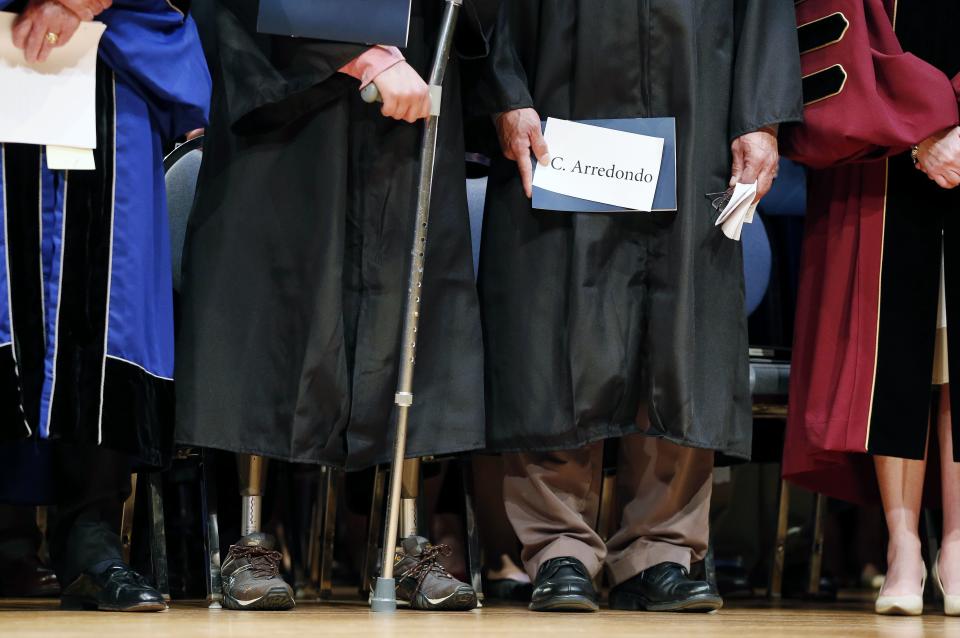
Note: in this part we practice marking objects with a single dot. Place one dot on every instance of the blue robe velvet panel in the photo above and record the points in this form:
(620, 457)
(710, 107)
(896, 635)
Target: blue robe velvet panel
(86, 302)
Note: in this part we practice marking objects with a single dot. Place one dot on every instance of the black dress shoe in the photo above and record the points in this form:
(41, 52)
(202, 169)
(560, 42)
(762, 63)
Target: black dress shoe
(665, 587)
(507, 589)
(563, 584)
(118, 588)
(28, 578)
(733, 580)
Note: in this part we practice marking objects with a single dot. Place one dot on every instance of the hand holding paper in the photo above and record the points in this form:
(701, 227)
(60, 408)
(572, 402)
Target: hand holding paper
(43, 26)
(739, 210)
(755, 161)
(55, 100)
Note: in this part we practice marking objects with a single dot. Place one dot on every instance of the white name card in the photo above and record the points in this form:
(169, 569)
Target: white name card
(601, 165)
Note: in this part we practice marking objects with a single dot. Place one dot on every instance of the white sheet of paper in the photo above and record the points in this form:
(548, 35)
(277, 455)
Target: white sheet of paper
(69, 158)
(601, 165)
(53, 102)
(738, 211)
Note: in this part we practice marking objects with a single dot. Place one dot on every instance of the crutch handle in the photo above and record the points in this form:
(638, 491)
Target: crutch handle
(371, 94)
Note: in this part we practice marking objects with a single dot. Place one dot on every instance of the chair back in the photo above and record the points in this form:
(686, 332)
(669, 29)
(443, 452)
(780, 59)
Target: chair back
(181, 168)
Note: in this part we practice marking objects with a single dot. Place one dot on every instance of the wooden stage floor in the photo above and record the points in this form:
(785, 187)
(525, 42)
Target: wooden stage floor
(332, 620)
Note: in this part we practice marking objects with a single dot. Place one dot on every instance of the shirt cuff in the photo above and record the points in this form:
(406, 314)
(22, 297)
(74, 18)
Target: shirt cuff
(371, 63)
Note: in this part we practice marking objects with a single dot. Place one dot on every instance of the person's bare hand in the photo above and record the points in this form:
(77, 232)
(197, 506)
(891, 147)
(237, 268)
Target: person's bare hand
(939, 157)
(40, 18)
(86, 10)
(195, 133)
(756, 158)
(519, 132)
(404, 93)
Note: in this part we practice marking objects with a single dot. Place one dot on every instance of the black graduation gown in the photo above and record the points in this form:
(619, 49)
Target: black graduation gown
(588, 317)
(296, 256)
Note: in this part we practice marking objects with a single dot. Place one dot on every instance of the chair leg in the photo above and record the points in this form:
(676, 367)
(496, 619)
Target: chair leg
(474, 560)
(775, 590)
(374, 528)
(43, 516)
(710, 566)
(126, 520)
(315, 535)
(211, 536)
(608, 496)
(158, 535)
(332, 480)
(816, 550)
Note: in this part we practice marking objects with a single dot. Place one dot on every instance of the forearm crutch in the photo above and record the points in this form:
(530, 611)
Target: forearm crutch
(385, 593)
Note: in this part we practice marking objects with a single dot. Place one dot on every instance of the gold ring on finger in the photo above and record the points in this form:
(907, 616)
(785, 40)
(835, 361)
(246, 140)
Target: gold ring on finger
(52, 38)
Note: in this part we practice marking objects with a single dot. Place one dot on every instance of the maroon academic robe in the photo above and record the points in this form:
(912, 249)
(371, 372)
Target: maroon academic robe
(866, 102)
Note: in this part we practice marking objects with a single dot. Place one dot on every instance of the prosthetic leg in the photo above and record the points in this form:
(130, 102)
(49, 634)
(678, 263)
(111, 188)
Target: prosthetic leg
(253, 474)
(250, 573)
(409, 492)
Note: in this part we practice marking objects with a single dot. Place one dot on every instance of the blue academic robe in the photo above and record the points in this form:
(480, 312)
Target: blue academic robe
(86, 302)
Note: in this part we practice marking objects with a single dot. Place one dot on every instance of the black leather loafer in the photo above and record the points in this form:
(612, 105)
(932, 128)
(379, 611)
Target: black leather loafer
(118, 588)
(563, 584)
(665, 587)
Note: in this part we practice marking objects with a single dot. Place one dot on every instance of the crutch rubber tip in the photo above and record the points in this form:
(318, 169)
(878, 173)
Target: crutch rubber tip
(384, 596)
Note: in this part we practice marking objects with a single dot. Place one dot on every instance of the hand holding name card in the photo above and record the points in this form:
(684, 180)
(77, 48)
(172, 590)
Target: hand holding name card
(519, 132)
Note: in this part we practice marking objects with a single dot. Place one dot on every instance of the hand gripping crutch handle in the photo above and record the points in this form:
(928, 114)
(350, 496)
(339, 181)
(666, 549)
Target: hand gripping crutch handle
(370, 94)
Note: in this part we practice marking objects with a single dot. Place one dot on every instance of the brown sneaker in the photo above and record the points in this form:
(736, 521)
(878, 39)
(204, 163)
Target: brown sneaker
(422, 583)
(251, 576)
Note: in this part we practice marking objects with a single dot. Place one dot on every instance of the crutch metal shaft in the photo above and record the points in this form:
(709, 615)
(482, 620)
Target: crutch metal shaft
(385, 597)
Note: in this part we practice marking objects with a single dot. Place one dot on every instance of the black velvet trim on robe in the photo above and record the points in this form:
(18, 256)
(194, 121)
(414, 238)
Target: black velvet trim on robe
(920, 229)
(25, 278)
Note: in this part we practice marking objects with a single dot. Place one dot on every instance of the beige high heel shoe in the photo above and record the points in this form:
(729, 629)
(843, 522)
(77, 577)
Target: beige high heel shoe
(951, 602)
(911, 605)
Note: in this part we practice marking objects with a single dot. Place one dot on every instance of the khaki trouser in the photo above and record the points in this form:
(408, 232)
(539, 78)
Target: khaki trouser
(552, 500)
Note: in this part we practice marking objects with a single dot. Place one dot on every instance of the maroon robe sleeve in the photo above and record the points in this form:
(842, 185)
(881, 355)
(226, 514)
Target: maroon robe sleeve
(865, 98)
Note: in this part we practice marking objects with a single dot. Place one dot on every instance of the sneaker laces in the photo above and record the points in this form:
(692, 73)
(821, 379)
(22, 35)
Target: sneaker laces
(264, 563)
(428, 563)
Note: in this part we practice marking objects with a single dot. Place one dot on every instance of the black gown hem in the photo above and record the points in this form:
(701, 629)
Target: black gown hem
(736, 452)
(349, 466)
(583, 438)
